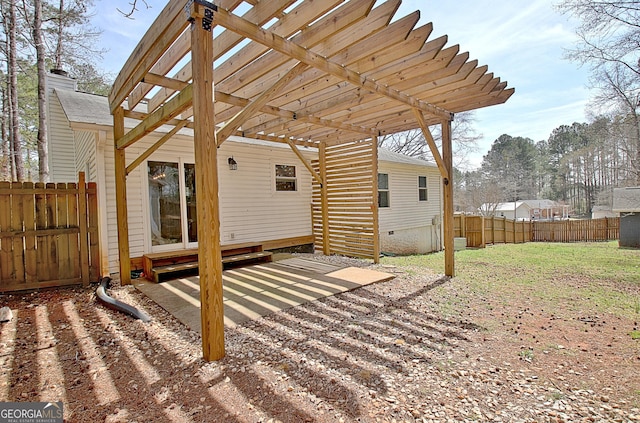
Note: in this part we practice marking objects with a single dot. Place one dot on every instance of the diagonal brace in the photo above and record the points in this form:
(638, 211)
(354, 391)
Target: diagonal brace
(304, 161)
(432, 143)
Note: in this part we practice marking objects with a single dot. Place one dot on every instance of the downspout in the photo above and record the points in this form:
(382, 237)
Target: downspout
(117, 305)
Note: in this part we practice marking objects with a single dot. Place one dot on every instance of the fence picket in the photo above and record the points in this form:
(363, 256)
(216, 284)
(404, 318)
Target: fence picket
(30, 255)
(6, 244)
(52, 223)
(72, 222)
(17, 212)
(42, 253)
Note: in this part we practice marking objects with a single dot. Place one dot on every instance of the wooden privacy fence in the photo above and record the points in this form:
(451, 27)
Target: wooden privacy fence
(479, 230)
(605, 229)
(48, 235)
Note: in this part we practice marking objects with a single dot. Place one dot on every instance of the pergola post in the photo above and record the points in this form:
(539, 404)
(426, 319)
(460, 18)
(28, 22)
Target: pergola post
(447, 158)
(205, 149)
(324, 198)
(121, 198)
(374, 205)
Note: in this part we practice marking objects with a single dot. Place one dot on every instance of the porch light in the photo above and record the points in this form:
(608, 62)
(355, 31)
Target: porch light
(233, 165)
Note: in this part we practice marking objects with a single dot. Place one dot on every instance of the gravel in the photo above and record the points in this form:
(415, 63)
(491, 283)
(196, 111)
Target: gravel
(382, 353)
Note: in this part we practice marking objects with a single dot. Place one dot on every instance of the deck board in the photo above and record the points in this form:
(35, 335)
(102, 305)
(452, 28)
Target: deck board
(255, 291)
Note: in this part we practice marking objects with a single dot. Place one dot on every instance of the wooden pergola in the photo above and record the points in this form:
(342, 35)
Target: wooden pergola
(333, 74)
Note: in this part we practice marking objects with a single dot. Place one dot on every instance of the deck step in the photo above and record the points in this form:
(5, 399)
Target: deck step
(247, 257)
(158, 271)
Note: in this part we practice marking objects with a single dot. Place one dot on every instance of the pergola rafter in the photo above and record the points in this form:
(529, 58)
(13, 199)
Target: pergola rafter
(334, 75)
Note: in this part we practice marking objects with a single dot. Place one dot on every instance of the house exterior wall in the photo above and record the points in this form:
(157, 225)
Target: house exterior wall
(85, 142)
(521, 213)
(250, 208)
(629, 230)
(410, 226)
(61, 146)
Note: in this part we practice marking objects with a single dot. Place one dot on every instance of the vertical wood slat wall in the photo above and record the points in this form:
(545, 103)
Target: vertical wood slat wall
(351, 201)
(48, 235)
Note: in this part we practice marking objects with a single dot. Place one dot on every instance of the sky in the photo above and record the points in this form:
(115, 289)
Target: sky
(523, 43)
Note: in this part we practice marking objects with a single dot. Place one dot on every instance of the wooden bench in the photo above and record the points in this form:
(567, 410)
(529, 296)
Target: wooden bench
(156, 265)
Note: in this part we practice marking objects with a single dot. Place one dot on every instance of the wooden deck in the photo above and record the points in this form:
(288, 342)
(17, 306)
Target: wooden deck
(255, 291)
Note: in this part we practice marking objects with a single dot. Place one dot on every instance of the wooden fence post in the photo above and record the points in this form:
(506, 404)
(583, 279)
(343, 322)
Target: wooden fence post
(83, 214)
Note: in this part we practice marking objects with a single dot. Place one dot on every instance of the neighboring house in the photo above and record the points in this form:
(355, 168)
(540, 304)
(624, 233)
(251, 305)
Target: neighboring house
(266, 198)
(527, 210)
(626, 201)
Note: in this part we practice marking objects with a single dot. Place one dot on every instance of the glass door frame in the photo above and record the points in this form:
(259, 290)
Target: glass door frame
(184, 224)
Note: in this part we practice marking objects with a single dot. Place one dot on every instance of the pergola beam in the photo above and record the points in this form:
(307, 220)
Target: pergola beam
(163, 81)
(163, 32)
(243, 27)
(288, 116)
(159, 117)
(297, 19)
(179, 49)
(257, 103)
(166, 137)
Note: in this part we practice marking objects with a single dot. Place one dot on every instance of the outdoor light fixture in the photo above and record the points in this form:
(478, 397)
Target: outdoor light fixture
(233, 165)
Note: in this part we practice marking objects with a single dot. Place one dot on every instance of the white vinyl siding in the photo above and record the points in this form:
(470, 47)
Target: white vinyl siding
(406, 211)
(86, 155)
(251, 209)
(411, 226)
(61, 145)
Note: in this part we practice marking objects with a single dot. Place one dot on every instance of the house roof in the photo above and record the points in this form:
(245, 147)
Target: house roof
(391, 156)
(543, 204)
(86, 108)
(531, 204)
(335, 71)
(511, 205)
(626, 200)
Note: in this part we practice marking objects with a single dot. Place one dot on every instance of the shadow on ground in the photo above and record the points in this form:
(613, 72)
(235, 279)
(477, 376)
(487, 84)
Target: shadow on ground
(307, 363)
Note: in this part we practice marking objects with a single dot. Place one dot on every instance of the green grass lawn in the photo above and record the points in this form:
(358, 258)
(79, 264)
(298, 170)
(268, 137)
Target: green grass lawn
(594, 276)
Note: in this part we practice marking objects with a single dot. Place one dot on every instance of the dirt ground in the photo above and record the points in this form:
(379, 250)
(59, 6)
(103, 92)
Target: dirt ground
(412, 349)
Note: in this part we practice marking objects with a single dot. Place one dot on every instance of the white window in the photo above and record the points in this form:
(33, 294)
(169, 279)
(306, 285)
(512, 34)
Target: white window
(422, 188)
(383, 190)
(286, 179)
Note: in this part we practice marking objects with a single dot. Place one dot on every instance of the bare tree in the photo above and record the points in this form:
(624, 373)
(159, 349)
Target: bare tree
(609, 42)
(5, 165)
(134, 8)
(74, 39)
(412, 143)
(38, 40)
(10, 27)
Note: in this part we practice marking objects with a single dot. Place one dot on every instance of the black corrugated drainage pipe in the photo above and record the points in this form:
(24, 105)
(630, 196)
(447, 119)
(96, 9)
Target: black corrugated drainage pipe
(114, 304)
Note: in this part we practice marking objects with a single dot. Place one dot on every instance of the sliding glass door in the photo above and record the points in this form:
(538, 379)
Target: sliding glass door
(172, 205)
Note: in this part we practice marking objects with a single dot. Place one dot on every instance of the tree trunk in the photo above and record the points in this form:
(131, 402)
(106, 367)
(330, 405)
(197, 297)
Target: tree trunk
(636, 133)
(5, 165)
(43, 159)
(58, 55)
(13, 96)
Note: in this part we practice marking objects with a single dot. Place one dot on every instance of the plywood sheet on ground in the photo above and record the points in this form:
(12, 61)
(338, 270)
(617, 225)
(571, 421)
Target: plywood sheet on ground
(255, 291)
